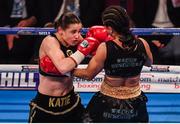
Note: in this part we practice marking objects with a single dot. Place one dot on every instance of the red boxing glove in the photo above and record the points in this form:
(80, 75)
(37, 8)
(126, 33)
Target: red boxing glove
(48, 67)
(100, 33)
(86, 47)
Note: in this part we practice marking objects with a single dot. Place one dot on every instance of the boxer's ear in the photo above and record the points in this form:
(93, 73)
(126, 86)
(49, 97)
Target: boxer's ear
(60, 30)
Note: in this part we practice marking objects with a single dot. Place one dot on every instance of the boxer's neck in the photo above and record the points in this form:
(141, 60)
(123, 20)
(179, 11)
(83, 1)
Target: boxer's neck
(61, 40)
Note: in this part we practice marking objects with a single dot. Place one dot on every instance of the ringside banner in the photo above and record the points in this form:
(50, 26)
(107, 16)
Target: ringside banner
(163, 79)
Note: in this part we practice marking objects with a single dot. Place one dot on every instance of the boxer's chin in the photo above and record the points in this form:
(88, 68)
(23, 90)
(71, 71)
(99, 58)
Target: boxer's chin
(75, 43)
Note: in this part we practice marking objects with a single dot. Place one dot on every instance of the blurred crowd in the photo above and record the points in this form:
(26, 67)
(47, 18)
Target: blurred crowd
(21, 49)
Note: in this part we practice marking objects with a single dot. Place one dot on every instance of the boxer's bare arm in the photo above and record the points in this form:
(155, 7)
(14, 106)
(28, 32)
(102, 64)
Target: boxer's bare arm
(149, 60)
(52, 49)
(95, 65)
(66, 64)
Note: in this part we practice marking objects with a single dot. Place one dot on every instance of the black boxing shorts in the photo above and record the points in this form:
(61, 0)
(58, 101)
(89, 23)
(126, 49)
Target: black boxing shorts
(51, 109)
(106, 109)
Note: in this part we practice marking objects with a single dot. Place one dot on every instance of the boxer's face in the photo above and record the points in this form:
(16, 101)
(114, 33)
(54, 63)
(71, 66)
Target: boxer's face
(109, 30)
(72, 34)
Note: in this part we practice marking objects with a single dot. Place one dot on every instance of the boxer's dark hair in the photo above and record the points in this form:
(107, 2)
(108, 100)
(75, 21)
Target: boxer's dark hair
(66, 19)
(117, 18)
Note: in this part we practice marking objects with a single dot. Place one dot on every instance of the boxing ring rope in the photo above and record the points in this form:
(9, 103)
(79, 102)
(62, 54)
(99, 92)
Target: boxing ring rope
(158, 78)
(47, 31)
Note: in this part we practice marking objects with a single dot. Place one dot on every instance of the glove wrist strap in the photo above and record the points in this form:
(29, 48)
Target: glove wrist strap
(77, 57)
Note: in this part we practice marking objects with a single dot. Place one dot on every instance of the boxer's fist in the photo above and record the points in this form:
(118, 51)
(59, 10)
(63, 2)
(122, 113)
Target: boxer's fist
(86, 47)
(100, 33)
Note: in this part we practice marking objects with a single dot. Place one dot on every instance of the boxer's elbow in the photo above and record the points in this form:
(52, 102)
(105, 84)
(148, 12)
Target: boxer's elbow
(148, 62)
(63, 69)
(89, 76)
(83, 73)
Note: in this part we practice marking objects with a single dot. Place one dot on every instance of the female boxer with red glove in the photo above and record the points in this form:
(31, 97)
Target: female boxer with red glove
(59, 54)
